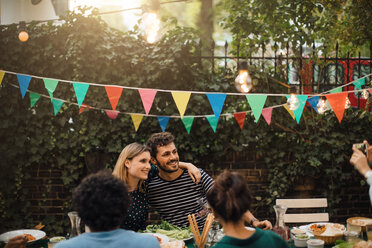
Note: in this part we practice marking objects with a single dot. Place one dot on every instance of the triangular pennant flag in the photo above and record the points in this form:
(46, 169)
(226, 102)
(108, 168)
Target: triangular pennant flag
(181, 99)
(337, 102)
(82, 108)
(80, 91)
(337, 90)
(33, 98)
(314, 102)
(147, 96)
(114, 94)
(217, 101)
(112, 114)
(187, 122)
(256, 102)
(2, 73)
(213, 121)
(359, 83)
(240, 118)
(370, 91)
(289, 111)
(57, 104)
(136, 120)
(50, 85)
(298, 111)
(163, 122)
(24, 82)
(267, 113)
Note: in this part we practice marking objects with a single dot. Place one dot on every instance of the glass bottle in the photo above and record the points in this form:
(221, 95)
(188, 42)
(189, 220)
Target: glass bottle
(75, 224)
(280, 228)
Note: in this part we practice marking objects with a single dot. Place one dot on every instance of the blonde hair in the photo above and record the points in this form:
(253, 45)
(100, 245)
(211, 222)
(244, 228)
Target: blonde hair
(129, 152)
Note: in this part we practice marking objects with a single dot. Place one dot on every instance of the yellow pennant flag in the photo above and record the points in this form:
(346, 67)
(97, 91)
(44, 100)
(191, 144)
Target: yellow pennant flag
(136, 120)
(181, 99)
(2, 73)
(289, 111)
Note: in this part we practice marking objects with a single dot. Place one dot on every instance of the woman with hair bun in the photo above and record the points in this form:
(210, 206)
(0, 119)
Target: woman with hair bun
(230, 199)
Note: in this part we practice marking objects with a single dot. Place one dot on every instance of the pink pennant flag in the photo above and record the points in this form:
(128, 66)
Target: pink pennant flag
(337, 102)
(147, 96)
(112, 114)
(113, 94)
(266, 113)
(370, 91)
(240, 117)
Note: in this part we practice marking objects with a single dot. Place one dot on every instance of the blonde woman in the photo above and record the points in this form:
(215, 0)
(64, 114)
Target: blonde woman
(134, 168)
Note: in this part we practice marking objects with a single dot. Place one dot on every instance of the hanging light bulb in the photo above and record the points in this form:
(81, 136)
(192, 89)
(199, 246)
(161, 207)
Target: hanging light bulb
(293, 102)
(23, 35)
(321, 106)
(365, 94)
(347, 103)
(243, 82)
(151, 22)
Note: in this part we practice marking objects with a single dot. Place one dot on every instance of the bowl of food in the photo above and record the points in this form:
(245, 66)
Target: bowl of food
(315, 243)
(300, 240)
(358, 224)
(329, 232)
(296, 231)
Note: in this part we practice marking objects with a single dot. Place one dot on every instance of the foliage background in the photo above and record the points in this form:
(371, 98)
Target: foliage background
(85, 49)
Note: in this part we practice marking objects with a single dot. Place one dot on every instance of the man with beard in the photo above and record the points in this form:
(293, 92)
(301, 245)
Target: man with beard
(173, 193)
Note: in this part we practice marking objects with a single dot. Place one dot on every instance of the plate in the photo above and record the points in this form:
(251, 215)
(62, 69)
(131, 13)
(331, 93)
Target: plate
(309, 232)
(8, 235)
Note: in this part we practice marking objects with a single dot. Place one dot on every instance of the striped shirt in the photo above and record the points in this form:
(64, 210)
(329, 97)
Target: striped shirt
(175, 200)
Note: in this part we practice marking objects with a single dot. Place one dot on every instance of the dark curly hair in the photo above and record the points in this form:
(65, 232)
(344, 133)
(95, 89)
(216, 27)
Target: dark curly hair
(159, 139)
(101, 201)
(229, 197)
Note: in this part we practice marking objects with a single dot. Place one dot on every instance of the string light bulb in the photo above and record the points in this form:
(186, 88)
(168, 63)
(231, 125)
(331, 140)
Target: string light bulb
(23, 35)
(151, 22)
(293, 103)
(365, 94)
(347, 103)
(322, 106)
(243, 81)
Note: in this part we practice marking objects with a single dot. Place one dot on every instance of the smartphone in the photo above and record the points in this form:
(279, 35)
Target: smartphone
(362, 147)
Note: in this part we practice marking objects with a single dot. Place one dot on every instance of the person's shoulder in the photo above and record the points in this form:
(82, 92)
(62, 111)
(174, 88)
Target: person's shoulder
(145, 240)
(66, 244)
(277, 240)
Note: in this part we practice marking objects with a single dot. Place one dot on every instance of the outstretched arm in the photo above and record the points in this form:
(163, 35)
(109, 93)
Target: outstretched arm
(265, 224)
(193, 171)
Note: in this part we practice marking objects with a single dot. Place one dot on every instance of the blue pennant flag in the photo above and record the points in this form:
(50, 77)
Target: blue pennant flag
(24, 82)
(163, 122)
(313, 102)
(216, 101)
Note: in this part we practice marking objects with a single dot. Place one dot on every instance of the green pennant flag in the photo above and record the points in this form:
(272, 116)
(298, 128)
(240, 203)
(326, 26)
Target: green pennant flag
(33, 98)
(57, 104)
(257, 103)
(80, 91)
(2, 73)
(298, 112)
(187, 122)
(50, 85)
(359, 83)
(213, 121)
(337, 90)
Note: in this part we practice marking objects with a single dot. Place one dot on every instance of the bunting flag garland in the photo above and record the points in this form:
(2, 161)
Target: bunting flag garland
(163, 122)
(314, 102)
(181, 99)
(337, 102)
(57, 104)
(213, 121)
(337, 90)
(187, 122)
(114, 94)
(267, 113)
(33, 98)
(359, 83)
(289, 111)
(240, 118)
(80, 91)
(256, 102)
(298, 111)
(136, 118)
(50, 85)
(216, 101)
(112, 114)
(147, 97)
(24, 82)
(2, 73)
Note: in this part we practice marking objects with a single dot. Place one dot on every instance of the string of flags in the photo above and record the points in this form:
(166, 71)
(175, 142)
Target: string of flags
(336, 100)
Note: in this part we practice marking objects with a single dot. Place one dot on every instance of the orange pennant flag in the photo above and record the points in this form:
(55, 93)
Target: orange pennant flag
(83, 107)
(113, 94)
(337, 102)
(240, 117)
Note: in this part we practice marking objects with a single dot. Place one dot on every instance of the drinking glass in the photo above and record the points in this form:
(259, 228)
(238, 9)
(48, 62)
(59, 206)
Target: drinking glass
(369, 232)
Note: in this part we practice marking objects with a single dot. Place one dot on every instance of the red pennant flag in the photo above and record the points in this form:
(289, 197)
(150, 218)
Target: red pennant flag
(112, 114)
(113, 94)
(267, 113)
(83, 107)
(240, 118)
(147, 97)
(337, 102)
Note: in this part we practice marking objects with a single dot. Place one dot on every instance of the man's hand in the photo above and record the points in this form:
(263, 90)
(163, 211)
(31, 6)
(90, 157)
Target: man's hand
(265, 224)
(193, 171)
(369, 151)
(359, 160)
(17, 242)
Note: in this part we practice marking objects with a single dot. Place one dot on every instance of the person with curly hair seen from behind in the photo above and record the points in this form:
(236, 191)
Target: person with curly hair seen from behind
(230, 199)
(102, 202)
